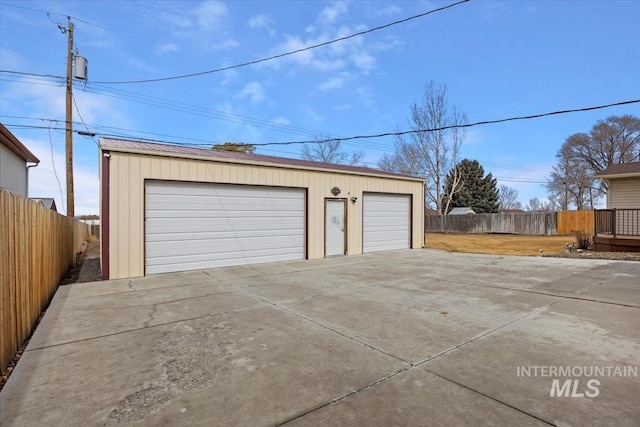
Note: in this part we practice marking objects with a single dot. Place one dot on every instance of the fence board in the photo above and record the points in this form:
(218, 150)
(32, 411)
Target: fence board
(572, 221)
(37, 248)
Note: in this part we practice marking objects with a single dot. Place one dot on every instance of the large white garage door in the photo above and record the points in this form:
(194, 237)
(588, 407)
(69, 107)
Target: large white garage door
(192, 226)
(386, 222)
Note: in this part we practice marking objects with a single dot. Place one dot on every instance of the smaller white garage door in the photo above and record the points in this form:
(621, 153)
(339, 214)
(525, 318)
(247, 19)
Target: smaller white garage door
(190, 226)
(386, 222)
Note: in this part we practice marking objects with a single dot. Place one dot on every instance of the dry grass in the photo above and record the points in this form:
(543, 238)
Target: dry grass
(501, 244)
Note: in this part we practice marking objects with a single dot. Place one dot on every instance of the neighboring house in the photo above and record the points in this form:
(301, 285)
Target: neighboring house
(14, 156)
(618, 228)
(48, 202)
(170, 208)
(462, 211)
(623, 191)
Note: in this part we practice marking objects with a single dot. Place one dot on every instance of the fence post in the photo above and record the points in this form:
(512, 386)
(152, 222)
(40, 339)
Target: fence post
(613, 223)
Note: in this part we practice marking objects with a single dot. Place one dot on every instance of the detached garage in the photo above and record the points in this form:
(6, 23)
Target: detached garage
(169, 208)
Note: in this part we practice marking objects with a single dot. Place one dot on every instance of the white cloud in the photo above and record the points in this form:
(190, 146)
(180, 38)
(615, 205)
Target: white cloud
(11, 60)
(260, 21)
(332, 84)
(280, 120)
(342, 107)
(364, 61)
(166, 48)
(224, 44)
(312, 116)
(331, 14)
(252, 91)
(211, 15)
(366, 95)
(389, 11)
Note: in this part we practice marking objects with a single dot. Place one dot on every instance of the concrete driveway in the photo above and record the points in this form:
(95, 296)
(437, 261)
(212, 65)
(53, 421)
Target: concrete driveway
(418, 337)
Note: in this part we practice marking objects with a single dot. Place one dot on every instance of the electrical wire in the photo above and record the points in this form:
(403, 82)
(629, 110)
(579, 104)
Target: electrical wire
(22, 73)
(397, 133)
(75, 104)
(282, 55)
(55, 172)
(73, 18)
(466, 125)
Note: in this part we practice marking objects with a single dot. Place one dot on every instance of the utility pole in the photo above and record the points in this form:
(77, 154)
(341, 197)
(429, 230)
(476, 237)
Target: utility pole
(69, 118)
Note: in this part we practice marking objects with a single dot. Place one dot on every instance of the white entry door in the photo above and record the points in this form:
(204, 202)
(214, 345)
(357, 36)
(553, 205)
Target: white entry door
(334, 228)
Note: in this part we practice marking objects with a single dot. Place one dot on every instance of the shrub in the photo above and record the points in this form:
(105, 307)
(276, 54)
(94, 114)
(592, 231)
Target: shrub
(583, 239)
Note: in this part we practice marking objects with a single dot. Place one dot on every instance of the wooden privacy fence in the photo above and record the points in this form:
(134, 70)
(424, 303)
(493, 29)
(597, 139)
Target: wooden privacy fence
(38, 246)
(571, 221)
(530, 223)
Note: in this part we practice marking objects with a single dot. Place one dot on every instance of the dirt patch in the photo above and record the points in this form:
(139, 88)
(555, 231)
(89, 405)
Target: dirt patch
(510, 244)
(87, 266)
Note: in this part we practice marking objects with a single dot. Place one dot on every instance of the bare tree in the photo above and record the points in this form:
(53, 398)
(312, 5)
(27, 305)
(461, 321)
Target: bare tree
(434, 149)
(537, 205)
(329, 151)
(508, 198)
(611, 141)
(582, 155)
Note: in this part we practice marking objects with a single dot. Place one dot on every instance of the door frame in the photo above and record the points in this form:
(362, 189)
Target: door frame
(344, 205)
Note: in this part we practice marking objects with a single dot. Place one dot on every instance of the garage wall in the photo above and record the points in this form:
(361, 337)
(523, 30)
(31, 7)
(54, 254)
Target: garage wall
(128, 172)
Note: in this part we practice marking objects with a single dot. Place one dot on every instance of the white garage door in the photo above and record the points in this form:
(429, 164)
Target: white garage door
(386, 222)
(192, 226)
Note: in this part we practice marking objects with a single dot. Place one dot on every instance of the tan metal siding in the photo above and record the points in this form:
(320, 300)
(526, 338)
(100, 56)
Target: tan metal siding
(624, 193)
(128, 172)
(13, 172)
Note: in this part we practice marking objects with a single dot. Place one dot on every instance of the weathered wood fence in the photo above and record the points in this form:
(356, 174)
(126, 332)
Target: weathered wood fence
(38, 246)
(528, 223)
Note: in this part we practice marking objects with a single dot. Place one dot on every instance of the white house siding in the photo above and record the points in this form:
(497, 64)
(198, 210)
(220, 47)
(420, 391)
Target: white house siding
(624, 193)
(13, 172)
(128, 172)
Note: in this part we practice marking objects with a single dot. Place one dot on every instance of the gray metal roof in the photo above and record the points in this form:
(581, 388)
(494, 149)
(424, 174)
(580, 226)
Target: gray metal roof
(158, 148)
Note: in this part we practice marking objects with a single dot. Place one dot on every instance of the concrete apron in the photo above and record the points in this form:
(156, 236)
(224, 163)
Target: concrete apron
(418, 337)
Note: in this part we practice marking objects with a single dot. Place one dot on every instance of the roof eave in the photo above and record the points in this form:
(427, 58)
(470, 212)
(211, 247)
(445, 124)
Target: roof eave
(13, 144)
(106, 147)
(618, 175)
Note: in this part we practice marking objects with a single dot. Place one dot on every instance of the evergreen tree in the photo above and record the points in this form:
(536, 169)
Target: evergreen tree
(478, 192)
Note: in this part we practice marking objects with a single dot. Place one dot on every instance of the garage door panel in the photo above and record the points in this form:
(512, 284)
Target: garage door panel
(196, 225)
(187, 246)
(223, 234)
(247, 223)
(386, 222)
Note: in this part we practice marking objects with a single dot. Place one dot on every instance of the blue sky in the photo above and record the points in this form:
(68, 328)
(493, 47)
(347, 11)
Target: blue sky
(498, 59)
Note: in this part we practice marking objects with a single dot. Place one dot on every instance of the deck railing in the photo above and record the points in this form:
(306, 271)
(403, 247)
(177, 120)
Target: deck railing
(617, 222)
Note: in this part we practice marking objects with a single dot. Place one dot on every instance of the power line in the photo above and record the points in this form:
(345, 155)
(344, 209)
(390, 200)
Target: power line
(72, 17)
(282, 55)
(22, 73)
(467, 125)
(350, 138)
(75, 104)
(55, 172)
